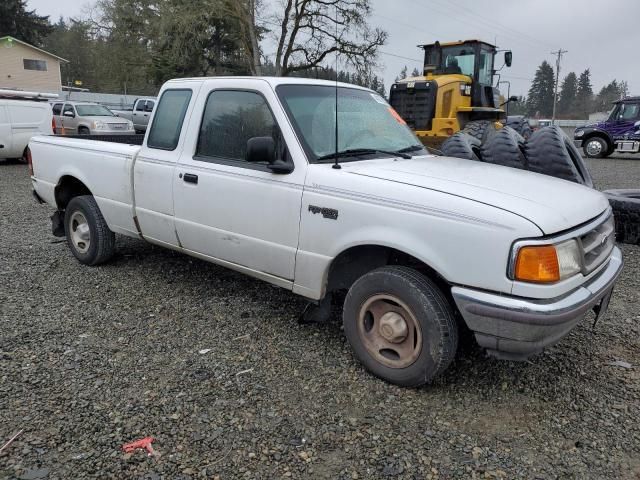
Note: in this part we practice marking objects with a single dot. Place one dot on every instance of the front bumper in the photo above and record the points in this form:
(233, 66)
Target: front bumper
(517, 328)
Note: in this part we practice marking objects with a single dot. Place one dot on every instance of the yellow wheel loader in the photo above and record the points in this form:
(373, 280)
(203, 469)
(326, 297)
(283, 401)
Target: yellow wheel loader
(456, 92)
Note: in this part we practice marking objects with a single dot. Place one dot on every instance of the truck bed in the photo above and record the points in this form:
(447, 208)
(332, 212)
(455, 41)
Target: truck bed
(136, 139)
(104, 162)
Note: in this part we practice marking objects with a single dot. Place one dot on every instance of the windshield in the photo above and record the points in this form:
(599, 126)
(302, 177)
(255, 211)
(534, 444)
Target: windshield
(93, 111)
(365, 120)
(460, 59)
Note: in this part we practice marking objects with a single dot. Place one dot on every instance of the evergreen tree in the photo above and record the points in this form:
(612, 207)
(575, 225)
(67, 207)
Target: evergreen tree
(403, 74)
(568, 91)
(415, 72)
(540, 98)
(17, 21)
(609, 94)
(584, 95)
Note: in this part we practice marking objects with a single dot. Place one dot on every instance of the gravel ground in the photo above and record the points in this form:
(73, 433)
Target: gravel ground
(92, 358)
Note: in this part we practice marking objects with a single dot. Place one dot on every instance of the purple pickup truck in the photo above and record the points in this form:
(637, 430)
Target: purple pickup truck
(620, 133)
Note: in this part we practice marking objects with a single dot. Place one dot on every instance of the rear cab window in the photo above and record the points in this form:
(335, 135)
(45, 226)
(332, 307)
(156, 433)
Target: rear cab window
(165, 130)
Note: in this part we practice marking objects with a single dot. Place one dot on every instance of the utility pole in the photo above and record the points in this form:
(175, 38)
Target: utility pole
(559, 54)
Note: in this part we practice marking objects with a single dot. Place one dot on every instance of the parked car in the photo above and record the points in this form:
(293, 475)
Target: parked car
(83, 118)
(619, 133)
(22, 117)
(247, 173)
(139, 113)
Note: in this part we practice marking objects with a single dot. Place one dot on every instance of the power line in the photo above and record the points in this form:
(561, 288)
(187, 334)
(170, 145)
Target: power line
(559, 53)
(399, 56)
(507, 28)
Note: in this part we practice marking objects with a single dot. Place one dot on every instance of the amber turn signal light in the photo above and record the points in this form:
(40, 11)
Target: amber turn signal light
(537, 264)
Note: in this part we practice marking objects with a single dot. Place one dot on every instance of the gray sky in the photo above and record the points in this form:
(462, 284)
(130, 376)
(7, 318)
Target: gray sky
(603, 39)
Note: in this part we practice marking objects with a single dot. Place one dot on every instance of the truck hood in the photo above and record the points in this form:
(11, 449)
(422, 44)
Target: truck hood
(550, 203)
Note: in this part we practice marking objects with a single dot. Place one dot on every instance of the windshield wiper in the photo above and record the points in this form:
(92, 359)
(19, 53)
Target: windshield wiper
(356, 152)
(411, 148)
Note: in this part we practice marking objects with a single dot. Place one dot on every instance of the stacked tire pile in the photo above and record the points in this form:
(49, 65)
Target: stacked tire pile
(547, 151)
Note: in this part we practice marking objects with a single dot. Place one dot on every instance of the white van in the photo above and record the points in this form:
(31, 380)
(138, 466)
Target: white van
(21, 117)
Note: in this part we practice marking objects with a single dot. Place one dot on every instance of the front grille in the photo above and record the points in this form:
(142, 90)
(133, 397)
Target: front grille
(118, 126)
(597, 245)
(415, 102)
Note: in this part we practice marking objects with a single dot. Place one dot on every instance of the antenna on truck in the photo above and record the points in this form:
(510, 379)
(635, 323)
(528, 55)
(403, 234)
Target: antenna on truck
(336, 165)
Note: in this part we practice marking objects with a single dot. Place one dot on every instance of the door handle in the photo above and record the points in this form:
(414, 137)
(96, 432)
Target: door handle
(190, 178)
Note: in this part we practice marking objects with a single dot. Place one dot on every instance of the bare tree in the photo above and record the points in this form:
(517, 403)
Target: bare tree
(310, 30)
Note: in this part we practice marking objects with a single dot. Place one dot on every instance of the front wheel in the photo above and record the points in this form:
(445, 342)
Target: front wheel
(596, 147)
(88, 235)
(400, 326)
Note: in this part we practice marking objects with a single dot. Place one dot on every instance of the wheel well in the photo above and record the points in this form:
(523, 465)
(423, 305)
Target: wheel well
(589, 136)
(354, 262)
(67, 188)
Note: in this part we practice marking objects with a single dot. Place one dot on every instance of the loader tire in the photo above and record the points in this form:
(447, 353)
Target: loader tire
(549, 151)
(626, 212)
(505, 148)
(520, 125)
(462, 145)
(482, 130)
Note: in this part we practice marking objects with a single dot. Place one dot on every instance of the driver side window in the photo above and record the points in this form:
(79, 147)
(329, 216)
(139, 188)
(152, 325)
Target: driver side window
(230, 119)
(631, 111)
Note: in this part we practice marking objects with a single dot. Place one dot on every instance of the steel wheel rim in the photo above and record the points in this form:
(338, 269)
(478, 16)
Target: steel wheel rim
(389, 331)
(594, 147)
(80, 232)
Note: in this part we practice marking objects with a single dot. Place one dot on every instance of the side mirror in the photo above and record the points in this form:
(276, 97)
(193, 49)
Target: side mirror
(69, 114)
(513, 98)
(263, 149)
(508, 58)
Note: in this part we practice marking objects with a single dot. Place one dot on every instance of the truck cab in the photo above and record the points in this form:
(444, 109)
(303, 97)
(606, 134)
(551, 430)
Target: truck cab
(620, 132)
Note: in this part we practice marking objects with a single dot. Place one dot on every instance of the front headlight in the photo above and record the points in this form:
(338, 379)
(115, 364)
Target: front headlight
(130, 125)
(98, 125)
(578, 133)
(547, 263)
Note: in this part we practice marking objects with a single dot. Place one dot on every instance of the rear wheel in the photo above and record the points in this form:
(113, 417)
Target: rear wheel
(400, 326)
(88, 235)
(596, 147)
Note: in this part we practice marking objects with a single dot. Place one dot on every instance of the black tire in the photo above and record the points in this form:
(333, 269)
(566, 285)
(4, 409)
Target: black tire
(430, 310)
(482, 130)
(505, 148)
(626, 212)
(101, 241)
(83, 131)
(461, 145)
(549, 151)
(600, 149)
(521, 125)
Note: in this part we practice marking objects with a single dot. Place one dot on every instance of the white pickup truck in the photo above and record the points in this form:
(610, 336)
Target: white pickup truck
(246, 173)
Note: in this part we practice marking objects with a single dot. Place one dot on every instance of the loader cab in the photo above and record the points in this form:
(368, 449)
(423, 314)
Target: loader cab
(472, 58)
